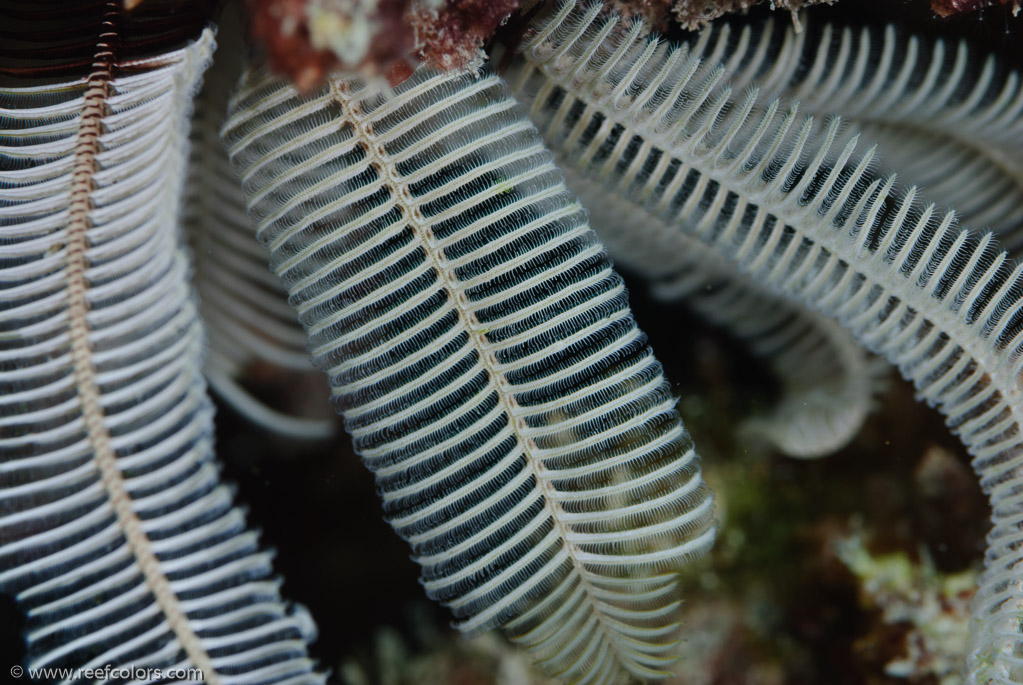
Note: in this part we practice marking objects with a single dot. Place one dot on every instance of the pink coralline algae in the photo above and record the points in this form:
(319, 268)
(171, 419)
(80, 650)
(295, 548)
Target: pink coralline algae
(306, 40)
(452, 36)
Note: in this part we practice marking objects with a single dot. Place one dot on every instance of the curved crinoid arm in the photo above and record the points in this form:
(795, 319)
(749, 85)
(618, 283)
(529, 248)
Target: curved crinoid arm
(825, 403)
(944, 304)
(251, 329)
(829, 381)
(985, 193)
(878, 74)
(947, 116)
(484, 357)
(116, 537)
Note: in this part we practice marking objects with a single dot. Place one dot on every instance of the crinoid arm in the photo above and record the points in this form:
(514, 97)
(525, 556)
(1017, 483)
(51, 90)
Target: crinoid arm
(483, 354)
(772, 192)
(116, 536)
(947, 116)
(251, 329)
(829, 383)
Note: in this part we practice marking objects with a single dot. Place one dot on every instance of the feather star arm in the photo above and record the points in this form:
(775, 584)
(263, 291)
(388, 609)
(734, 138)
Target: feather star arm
(483, 355)
(250, 326)
(118, 539)
(829, 382)
(947, 117)
(941, 303)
